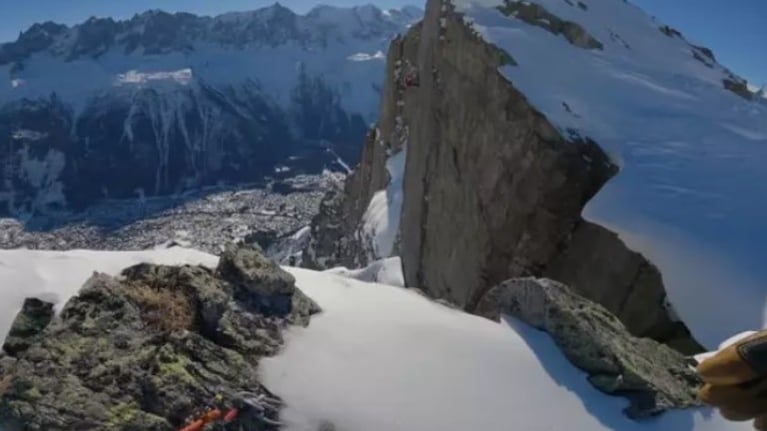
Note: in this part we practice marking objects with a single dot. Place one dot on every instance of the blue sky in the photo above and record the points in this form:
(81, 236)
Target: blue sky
(735, 29)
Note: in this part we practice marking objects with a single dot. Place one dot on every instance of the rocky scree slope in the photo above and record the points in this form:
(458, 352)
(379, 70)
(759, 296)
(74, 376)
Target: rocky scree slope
(166, 102)
(146, 350)
(492, 189)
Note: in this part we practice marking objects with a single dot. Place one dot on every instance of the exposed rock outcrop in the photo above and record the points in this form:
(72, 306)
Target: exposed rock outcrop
(144, 351)
(492, 189)
(739, 87)
(537, 15)
(337, 237)
(651, 375)
(598, 265)
(34, 317)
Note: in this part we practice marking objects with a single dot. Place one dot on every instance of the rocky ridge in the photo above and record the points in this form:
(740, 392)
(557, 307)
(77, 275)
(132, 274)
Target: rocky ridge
(654, 377)
(492, 189)
(147, 350)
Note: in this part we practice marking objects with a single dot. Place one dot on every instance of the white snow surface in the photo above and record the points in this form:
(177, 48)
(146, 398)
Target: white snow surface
(183, 77)
(385, 271)
(692, 191)
(384, 358)
(380, 223)
(381, 358)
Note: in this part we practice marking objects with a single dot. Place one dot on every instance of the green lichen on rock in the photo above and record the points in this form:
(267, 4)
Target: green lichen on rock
(112, 361)
(123, 414)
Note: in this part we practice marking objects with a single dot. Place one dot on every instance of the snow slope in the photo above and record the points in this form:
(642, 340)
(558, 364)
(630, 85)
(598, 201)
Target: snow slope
(380, 223)
(385, 358)
(385, 271)
(692, 191)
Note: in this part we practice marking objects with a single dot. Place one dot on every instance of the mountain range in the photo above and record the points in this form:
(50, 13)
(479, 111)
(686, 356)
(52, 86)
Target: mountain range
(163, 103)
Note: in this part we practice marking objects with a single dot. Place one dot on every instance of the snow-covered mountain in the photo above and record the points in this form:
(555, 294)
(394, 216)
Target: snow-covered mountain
(689, 136)
(583, 141)
(163, 102)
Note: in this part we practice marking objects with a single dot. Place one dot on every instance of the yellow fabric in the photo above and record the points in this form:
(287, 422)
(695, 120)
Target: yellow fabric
(733, 386)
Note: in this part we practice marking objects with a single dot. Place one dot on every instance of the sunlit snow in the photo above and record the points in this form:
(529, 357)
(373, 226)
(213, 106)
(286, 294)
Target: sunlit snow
(385, 271)
(382, 358)
(183, 77)
(380, 223)
(361, 56)
(691, 194)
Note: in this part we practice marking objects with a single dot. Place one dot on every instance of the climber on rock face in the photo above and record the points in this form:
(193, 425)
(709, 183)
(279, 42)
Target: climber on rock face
(736, 380)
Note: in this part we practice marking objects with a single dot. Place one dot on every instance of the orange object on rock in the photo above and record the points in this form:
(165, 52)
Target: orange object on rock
(208, 417)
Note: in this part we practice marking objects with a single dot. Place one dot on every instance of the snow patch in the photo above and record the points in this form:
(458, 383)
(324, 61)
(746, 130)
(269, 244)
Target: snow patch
(361, 56)
(28, 135)
(134, 77)
(290, 251)
(385, 271)
(380, 223)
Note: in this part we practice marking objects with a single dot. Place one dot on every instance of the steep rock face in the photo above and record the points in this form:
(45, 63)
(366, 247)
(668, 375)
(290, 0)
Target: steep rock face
(338, 234)
(493, 190)
(147, 350)
(654, 377)
(491, 187)
(163, 103)
(599, 266)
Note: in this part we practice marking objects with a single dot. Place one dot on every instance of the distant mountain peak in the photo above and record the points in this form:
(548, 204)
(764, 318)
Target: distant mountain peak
(158, 31)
